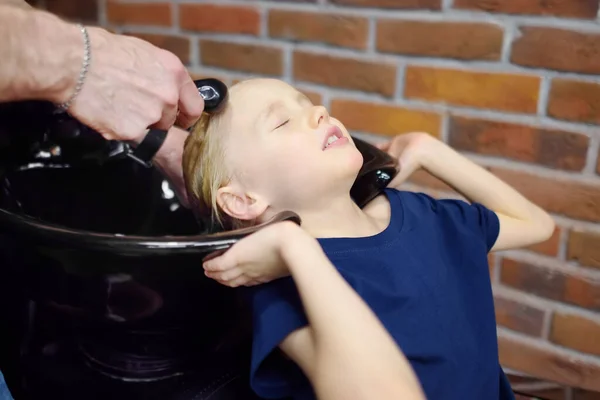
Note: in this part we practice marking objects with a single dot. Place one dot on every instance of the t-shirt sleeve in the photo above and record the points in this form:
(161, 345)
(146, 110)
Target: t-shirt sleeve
(277, 311)
(473, 219)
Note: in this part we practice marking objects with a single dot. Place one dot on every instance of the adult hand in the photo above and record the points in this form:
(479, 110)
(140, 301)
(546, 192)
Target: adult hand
(168, 161)
(130, 86)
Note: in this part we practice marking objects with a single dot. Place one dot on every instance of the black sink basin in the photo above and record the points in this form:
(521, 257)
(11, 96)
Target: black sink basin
(101, 266)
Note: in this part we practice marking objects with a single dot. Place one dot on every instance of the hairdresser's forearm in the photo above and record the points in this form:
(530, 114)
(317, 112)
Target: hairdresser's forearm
(16, 3)
(41, 54)
(354, 357)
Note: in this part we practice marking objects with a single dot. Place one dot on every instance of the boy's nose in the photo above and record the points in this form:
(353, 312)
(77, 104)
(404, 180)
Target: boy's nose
(317, 116)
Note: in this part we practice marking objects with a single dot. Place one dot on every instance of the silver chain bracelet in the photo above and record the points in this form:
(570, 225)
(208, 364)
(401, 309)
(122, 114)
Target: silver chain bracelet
(84, 68)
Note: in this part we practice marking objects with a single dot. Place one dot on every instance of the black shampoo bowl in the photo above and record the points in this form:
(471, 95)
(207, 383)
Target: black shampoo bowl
(102, 290)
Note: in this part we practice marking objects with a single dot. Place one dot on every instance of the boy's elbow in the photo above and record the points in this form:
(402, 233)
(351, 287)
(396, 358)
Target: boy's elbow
(544, 226)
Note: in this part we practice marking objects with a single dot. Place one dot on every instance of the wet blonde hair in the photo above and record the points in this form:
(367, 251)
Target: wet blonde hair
(205, 170)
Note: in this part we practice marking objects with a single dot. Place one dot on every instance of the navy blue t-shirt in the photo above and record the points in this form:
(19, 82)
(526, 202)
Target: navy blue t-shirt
(426, 278)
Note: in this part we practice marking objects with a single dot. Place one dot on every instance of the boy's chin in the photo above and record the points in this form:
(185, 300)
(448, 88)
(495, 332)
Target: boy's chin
(355, 161)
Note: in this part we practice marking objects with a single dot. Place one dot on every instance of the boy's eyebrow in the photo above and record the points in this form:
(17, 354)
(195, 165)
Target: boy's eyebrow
(272, 107)
(264, 114)
(275, 105)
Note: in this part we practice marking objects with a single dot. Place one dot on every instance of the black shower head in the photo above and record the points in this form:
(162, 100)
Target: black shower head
(214, 93)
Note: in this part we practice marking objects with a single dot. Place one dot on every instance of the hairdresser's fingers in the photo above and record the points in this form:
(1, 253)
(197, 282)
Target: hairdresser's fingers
(191, 104)
(167, 120)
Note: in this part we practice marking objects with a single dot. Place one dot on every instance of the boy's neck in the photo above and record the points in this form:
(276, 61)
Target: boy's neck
(340, 218)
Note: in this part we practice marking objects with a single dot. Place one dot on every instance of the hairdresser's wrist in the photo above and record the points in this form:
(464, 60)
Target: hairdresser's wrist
(53, 58)
(168, 161)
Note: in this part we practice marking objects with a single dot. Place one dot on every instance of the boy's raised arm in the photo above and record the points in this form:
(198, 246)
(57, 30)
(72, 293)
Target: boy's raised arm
(345, 351)
(522, 223)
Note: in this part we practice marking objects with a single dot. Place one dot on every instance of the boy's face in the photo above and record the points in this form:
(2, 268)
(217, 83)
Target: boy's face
(286, 149)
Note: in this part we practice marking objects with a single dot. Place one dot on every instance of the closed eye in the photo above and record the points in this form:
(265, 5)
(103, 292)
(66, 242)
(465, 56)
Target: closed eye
(280, 125)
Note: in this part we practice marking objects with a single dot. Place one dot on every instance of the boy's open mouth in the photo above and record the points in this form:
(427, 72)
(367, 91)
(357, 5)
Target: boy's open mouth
(334, 137)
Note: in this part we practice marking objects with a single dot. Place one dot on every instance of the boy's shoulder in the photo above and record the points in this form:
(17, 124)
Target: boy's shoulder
(413, 209)
(395, 200)
(380, 207)
(401, 209)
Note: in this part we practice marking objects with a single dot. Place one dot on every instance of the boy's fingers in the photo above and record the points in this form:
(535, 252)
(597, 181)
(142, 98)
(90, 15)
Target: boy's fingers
(213, 266)
(230, 275)
(223, 262)
(239, 281)
(383, 146)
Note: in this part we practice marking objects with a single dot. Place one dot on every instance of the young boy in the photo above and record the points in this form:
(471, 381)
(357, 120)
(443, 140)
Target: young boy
(419, 263)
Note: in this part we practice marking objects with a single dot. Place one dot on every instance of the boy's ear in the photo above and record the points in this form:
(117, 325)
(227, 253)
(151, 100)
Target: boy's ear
(240, 205)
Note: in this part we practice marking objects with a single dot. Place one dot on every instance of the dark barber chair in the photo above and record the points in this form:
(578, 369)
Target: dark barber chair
(102, 293)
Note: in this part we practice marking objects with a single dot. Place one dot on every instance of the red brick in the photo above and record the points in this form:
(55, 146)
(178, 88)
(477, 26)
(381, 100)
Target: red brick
(219, 18)
(548, 364)
(346, 73)
(158, 14)
(549, 147)
(81, 10)
(580, 394)
(557, 49)
(180, 46)
(460, 40)
(242, 57)
(519, 317)
(552, 284)
(384, 119)
(584, 247)
(491, 265)
(500, 91)
(559, 8)
(550, 246)
(576, 332)
(399, 4)
(333, 29)
(575, 101)
(314, 97)
(566, 197)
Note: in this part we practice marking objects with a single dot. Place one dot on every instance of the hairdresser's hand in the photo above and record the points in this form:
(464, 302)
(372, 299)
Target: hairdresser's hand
(168, 161)
(132, 85)
(409, 149)
(255, 259)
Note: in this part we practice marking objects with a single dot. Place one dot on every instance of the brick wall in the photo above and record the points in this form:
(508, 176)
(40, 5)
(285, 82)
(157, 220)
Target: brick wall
(514, 84)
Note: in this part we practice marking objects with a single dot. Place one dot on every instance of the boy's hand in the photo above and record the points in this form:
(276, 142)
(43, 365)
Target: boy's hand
(409, 149)
(255, 259)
